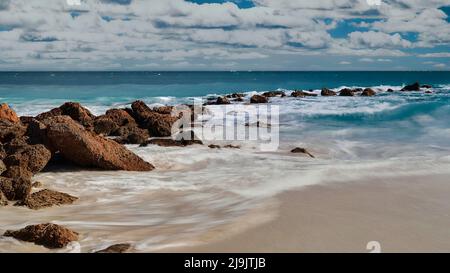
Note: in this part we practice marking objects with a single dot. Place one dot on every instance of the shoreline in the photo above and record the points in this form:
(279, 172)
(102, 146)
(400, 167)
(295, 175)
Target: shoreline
(403, 214)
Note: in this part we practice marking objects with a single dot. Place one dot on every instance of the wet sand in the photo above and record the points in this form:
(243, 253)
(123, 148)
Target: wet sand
(410, 214)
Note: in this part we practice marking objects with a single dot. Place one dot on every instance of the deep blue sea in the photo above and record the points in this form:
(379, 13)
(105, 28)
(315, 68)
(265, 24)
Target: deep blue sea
(195, 189)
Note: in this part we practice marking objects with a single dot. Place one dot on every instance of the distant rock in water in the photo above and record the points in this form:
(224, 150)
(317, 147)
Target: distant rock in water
(368, 92)
(168, 142)
(412, 87)
(48, 235)
(119, 248)
(346, 92)
(301, 94)
(222, 100)
(258, 99)
(427, 86)
(274, 94)
(8, 114)
(327, 92)
(302, 151)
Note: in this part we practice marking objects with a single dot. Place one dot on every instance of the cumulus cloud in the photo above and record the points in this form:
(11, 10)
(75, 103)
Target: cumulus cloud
(136, 34)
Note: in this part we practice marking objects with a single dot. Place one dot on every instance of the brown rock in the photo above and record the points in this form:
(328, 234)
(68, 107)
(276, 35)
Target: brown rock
(52, 113)
(3, 200)
(412, 87)
(368, 92)
(346, 92)
(222, 100)
(2, 152)
(235, 95)
(104, 125)
(15, 188)
(48, 235)
(159, 125)
(32, 158)
(258, 99)
(131, 135)
(168, 142)
(301, 151)
(10, 131)
(26, 119)
(47, 198)
(78, 113)
(301, 94)
(120, 117)
(165, 110)
(327, 92)
(214, 146)
(2, 167)
(274, 94)
(229, 146)
(87, 149)
(8, 114)
(119, 248)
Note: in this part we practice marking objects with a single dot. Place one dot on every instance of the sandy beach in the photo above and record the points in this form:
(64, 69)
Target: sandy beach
(410, 214)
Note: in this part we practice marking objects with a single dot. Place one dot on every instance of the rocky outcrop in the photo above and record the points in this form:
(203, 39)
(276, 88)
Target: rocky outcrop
(368, 92)
(11, 131)
(105, 126)
(258, 99)
(158, 125)
(47, 198)
(412, 87)
(302, 151)
(119, 248)
(346, 92)
(17, 188)
(73, 110)
(88, 149)
(7, 114)
(48, 235)
(327, 92)
(32, 158)
(120, 117)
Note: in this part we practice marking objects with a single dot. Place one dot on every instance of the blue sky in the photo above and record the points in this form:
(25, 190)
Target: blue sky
(224, 35)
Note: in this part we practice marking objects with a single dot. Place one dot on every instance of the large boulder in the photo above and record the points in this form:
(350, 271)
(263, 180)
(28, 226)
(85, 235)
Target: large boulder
(105, 125)
(258, 99)
(158, 125)
(47, 198)
(120, 117)
(90, 150)
(131, 134)
(8, 114)
(32, 158)
(412, 87)
(48, 235)
(327, 92)
(72, 109)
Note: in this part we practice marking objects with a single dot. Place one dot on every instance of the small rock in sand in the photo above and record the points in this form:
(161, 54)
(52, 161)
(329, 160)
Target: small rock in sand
(48, 235)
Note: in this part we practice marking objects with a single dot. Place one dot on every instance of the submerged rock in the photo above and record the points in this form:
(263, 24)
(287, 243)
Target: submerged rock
(274, 94)
(8, 114)
(258, 99)
(412, 87)
(368, 92)
(87, 149)
(168, 142)
(119, 248)
(48, 235)
(327, 92)
(47, 198)
(301, 94)
(302, 151)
